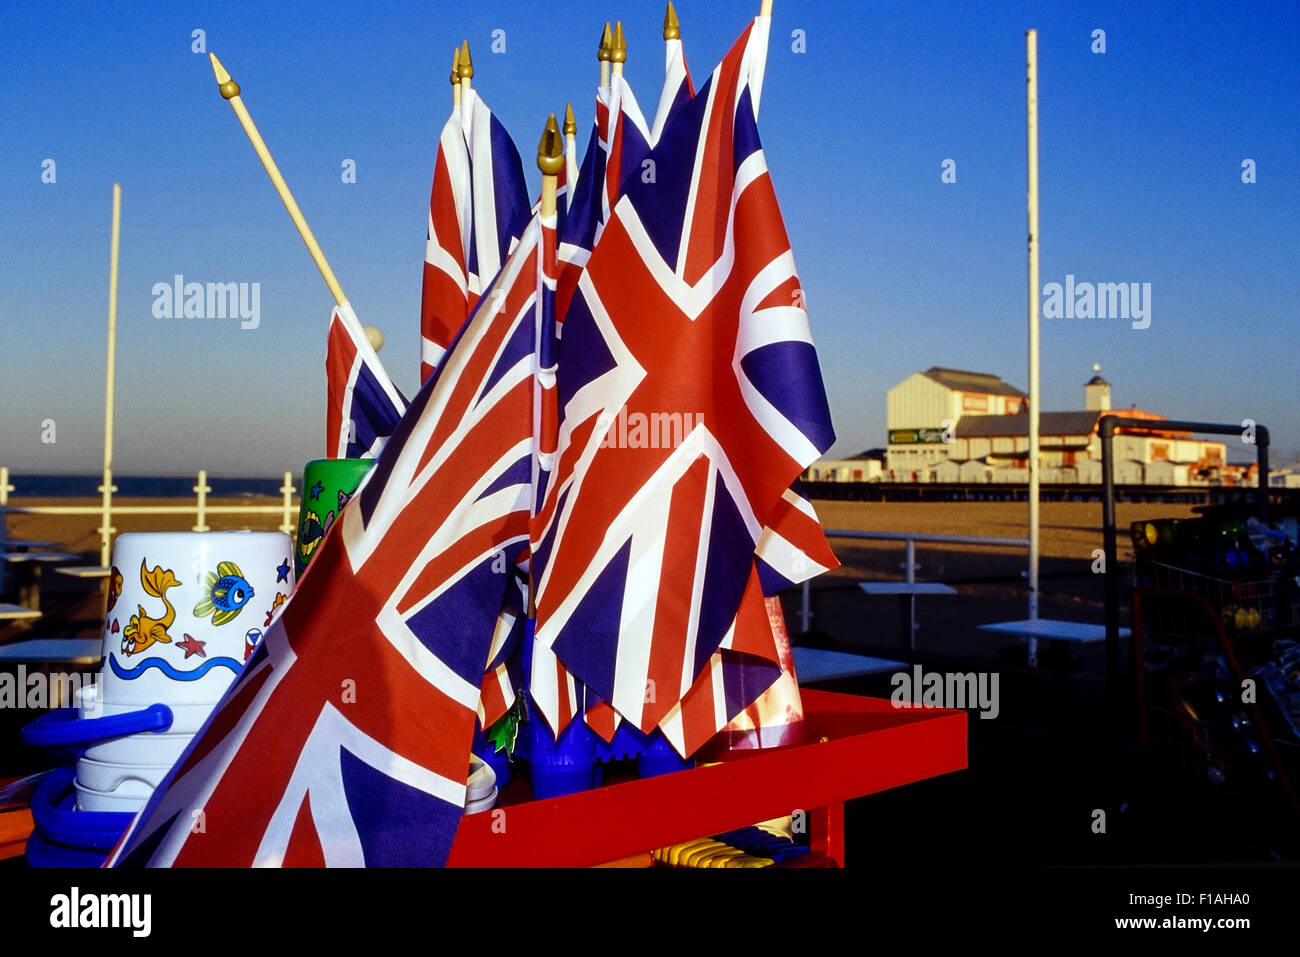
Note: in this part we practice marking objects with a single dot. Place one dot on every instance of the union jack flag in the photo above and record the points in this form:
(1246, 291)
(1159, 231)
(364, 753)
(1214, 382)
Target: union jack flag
(478, 208)
(444, 302)
(346, 739)
(363, 406)
(553, 689)
(498, 194)
(689, 306)
(620, 142)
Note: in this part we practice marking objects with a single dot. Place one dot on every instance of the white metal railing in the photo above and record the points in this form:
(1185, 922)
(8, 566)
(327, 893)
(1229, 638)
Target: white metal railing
(911, 538)
(200, 509)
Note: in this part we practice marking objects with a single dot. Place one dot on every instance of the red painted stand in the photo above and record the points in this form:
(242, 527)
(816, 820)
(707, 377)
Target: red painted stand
(855, 746)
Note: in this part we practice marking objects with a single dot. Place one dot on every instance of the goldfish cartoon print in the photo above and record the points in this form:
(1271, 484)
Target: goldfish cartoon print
(142, 631)
(225, 594)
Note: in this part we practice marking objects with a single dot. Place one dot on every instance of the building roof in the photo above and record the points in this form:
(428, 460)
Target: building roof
(1097, 380)
(971, 381)
(1049, 423)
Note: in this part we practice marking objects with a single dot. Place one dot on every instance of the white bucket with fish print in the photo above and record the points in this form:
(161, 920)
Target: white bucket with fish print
(186, 609)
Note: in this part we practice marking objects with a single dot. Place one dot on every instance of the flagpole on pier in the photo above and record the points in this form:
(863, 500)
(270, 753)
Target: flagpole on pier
(110, 382)
(1031, 62)
(603, 53)
(230, 90)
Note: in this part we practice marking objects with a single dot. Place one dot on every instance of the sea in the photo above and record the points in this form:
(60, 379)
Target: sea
(143, 486)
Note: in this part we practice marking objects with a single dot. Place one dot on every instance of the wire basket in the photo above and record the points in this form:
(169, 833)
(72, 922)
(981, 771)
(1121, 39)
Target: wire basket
(1243, 607)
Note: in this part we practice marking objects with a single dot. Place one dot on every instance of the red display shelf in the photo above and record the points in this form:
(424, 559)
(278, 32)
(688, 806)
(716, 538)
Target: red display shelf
(854, 746)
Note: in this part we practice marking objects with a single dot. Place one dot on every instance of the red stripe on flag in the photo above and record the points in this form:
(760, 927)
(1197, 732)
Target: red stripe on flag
(304, 848)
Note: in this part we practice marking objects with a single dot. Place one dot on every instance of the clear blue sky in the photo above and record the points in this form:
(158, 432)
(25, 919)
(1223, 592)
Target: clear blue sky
(1141, 181)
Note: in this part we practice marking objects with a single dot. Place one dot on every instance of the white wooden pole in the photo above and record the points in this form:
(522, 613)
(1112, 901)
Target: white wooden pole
(230, 91)
(603, 54)
(1031, 62)
(107, 489)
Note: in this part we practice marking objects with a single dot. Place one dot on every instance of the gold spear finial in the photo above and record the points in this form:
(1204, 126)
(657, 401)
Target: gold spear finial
(618, 52)
(229, 88)
(466, 69)
(550, 151)
(455, 67)
(570, 123)
(550, 160)
(672, 28)
(606, 45)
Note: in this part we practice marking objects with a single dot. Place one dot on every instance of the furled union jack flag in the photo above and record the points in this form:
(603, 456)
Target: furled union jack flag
(363, 406)
(346, 739)
(444, 299)
(687, 320)
(478, 208)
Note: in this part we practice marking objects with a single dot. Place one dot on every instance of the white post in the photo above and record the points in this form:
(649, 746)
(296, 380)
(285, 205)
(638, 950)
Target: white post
(107, 488)
(290, 519)
(1031, 64)
(203, 488)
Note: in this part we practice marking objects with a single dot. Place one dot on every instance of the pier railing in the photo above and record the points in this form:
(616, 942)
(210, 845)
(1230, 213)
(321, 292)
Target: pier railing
(909, 566)
(199, 508)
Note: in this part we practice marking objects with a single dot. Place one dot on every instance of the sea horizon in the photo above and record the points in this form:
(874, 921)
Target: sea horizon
(86, 485)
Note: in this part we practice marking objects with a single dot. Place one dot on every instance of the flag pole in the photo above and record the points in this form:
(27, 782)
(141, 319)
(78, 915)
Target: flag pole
(570, 153)
(766, 9)
(550, 160)
(618, 52)
(672, 26)
(465, 69)
(110, 380)
(1031, 62)
(230, 90)
(603, 54)
(455, 79)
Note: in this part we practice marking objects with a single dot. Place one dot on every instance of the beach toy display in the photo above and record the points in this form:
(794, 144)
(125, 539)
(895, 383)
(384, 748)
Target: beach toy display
(327, 485)
(185, 611)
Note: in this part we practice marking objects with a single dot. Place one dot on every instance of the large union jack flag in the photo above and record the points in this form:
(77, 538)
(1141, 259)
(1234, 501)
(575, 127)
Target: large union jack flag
(689, 319)
(346, 739)
(363, 406)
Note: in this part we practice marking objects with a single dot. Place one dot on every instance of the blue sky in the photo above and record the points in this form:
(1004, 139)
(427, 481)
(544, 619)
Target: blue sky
(1141, 153)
